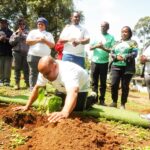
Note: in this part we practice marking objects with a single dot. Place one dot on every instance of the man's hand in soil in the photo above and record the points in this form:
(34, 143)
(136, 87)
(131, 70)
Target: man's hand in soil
(57, 116)
(23, 108)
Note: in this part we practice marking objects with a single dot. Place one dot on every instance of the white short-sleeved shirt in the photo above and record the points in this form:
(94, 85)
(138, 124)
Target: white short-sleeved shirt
(39, 49)
(147, 64)
(70, 75)
(75, 32)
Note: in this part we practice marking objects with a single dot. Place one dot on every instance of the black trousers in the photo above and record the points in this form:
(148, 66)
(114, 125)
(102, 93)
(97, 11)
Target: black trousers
(33, 69)
(20, 62)
(99, 71)
(118, 74)
(81, 100)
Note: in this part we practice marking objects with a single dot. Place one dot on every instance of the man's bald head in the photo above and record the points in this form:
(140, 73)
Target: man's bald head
(45, 62)
(48, 67)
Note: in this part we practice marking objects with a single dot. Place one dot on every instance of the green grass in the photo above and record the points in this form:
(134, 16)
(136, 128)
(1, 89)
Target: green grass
(17, 139)
(21, 97)
(127, 129)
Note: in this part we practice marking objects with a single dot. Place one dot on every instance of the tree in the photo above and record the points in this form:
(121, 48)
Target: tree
(142, 30)
(57, 12)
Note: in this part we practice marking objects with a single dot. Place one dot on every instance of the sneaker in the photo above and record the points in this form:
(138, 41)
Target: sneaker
(122, 106)
(93, 97)
(113, 104)
(93, 94)
(147, 116)
(90, 101)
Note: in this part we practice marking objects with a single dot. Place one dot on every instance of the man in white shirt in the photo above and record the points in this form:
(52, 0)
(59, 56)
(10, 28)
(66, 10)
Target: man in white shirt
(66, 77)
(74, 37)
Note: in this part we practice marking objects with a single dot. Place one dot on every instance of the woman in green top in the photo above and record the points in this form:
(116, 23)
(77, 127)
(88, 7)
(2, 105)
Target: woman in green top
(123, 66)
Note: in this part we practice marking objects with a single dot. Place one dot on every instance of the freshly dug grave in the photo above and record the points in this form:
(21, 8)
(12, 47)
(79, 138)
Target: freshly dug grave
(70, 134)
(75, 133)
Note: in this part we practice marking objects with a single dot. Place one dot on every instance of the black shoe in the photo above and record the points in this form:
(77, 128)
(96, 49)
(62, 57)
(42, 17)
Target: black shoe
(103, 104)
(90, 101)
(113, 104)
(27, 86)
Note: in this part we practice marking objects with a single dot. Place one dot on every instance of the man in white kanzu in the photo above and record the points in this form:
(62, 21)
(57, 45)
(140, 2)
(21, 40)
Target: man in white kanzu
(40, 43)
(66, 77)
(74, 37)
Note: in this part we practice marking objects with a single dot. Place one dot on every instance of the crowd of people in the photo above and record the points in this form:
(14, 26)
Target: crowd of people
(31, 52)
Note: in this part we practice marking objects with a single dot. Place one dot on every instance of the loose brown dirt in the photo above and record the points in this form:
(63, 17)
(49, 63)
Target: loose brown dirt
(74, 133)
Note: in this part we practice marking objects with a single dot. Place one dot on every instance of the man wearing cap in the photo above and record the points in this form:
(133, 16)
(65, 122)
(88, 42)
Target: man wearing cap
(5, 53)
(40, 43)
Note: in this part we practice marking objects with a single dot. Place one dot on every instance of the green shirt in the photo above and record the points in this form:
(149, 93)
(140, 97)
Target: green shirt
(99, 55)
(123, 48)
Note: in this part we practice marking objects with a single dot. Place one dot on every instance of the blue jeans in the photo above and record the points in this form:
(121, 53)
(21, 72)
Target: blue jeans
(75, 59)
(5, 68)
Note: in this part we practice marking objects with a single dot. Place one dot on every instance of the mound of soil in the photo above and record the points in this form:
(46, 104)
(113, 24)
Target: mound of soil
(74, 133)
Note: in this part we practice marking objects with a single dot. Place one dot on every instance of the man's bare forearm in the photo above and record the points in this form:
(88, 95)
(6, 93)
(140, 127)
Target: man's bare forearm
(49, 44)
(71, 100)
(33, 96)
(32, 42)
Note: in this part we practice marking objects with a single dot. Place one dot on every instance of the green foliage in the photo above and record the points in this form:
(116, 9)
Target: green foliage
(56, 12)
(142, 30)
(41, 95)
(17, 139)
(54, 104)
(48, 103)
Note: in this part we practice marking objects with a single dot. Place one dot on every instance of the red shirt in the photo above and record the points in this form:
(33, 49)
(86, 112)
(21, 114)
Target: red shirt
(59, 49)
